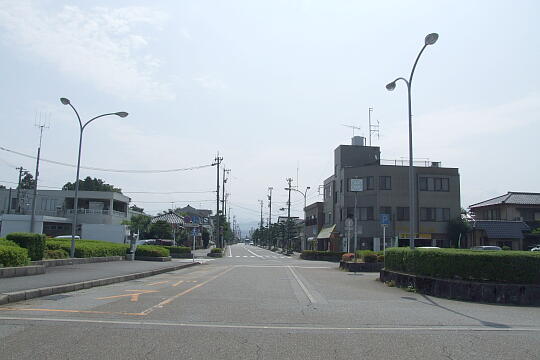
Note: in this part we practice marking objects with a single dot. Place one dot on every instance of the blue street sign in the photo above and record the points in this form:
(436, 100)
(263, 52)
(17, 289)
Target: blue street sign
(194, 232)
(385, 219)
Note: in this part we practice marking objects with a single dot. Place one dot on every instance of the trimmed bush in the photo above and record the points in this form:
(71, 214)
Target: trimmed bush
(321, 255)
(88, 248)
(380, 258)
(4, 242)
(370, 258)
(518, 267)
(216, 250)
(178, 249)
(34, 243)
(347, 257)
(152, 251)
(13, 256)
(55, 254)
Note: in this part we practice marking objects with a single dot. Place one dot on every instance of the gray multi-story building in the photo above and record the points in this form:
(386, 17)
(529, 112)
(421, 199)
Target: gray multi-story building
(384, 189)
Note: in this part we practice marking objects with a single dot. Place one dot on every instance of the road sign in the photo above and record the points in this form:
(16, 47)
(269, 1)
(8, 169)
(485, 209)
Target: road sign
(357, 185)
(349, 224)
(385, 219)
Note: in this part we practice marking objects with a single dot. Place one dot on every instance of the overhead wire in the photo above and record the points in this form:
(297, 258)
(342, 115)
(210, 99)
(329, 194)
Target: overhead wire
(130, 171)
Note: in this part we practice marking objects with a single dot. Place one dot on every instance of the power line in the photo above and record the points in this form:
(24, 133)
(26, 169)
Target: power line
(131, 171)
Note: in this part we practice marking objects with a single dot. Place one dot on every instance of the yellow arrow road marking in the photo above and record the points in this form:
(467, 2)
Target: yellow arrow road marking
(134, 297)
(159, 282)
(178, 283)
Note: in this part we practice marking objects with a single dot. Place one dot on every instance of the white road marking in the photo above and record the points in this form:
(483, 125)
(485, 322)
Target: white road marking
(245, 256)
(306, 291)
(237, 256)
(281, 327)
(253, 253)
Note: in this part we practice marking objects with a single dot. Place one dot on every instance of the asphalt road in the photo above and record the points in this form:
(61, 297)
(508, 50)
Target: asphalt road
(255, 304)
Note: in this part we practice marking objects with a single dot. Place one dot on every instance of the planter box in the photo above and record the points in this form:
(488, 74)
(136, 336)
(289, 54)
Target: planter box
(153, 258)
(211, 254)
(499, 293)
(361, 266)
(182, 255)
(72, 261)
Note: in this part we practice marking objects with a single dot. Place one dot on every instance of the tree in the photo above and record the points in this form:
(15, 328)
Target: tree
(457, 229)
(2, 187)
(160, 230)
(136, 208)
(27, 181)
(89, 184)
(205, 238)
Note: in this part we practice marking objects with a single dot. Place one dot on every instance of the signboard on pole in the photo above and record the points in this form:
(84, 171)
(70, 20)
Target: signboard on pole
(385, 219)
(356, 185)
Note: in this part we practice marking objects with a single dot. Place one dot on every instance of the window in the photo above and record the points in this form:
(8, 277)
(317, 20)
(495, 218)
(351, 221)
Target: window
(365, 213)
(385, 183)
(433, 184)
(494, 214)
(422, 184)
(434, 214)
(370, 183)
(427, 214)
(386, 210)
(350, 212)
(402, 213)
(341, 186)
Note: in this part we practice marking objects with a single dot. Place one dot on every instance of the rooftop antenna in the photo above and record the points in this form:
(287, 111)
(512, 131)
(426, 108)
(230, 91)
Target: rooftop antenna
(373, 129)
(352, 127)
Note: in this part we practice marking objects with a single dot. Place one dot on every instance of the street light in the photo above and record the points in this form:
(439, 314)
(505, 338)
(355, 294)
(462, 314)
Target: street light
(304, 194)
(429, 40)
(122, 114)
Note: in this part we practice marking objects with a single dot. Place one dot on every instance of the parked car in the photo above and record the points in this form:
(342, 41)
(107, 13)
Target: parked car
(486, 247)
(536, 248)
(428, 247)
(66, 237)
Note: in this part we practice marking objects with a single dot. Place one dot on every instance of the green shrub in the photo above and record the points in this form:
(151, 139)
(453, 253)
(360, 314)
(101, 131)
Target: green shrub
(34, 243)
(55, 254)
(321, 255)
(506, 247)
(13, 255)
(178, 249)
(216, 250)
(519, 267)
(88, 248)
(370, 258)
(151, 251)
(5, 242)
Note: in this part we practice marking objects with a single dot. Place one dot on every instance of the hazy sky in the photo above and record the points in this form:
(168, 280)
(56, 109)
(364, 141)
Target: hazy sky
(268, 85)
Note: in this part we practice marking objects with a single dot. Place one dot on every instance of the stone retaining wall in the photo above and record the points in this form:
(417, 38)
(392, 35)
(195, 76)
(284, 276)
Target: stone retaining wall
(361, 266)
(73, 261)
(6, 272)
(499, 293)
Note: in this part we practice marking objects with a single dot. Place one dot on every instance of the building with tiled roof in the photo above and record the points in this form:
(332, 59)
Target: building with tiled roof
(513, 206)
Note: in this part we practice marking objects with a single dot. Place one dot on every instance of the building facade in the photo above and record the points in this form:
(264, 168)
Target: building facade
(363, 187)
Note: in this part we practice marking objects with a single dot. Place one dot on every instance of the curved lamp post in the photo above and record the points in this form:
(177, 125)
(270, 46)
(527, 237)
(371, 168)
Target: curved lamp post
(429, 40)
(82, 126)
(304, 194)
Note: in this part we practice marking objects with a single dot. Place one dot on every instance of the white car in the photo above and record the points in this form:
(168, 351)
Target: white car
(536, 248)
(486, 247)
(66, 237)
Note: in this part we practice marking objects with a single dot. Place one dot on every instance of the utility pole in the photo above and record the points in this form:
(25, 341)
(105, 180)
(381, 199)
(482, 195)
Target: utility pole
(373, 129)
(21, 171)
(218, 232)
(223, 207)
(269, 215)
(289, 180)
(261, 226)
(33, 217)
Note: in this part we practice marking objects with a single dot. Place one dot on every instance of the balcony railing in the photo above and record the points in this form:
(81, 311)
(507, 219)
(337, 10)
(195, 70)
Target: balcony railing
(405, 162)
(96, 212)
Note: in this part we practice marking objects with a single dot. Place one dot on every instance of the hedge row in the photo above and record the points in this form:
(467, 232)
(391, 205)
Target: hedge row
(321, 255)
(13, 255)
(216, 250)
(88, 248)
(179, 249)
(518, 267)
(152, 251)
(34, 243)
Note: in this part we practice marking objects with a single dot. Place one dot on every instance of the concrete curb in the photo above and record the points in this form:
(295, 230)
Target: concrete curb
(73, 261)
(11, 297)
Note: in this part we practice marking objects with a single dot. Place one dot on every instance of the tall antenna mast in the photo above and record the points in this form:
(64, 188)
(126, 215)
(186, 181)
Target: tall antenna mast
(42, 125)
(373, 129)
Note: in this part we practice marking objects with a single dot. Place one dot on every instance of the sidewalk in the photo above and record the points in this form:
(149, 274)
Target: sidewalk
(67, 278)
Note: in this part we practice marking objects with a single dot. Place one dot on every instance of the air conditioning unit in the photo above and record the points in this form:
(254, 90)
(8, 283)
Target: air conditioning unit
(435, 164)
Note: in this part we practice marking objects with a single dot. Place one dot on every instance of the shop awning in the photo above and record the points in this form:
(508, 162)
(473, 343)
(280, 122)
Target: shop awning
(326, 232)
